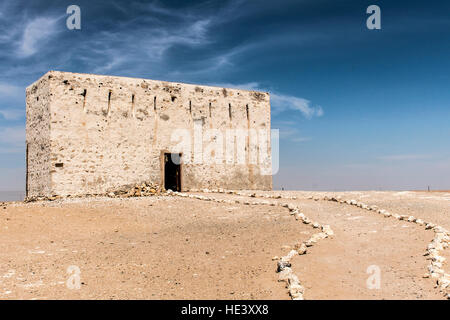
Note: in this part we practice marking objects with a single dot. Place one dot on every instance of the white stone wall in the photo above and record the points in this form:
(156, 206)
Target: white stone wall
(38, 138)
(100, 132)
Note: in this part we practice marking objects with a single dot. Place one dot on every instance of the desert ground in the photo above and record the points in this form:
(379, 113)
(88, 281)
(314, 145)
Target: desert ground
(221, 246)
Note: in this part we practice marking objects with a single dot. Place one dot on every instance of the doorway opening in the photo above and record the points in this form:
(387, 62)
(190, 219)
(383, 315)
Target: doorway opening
(172, 171)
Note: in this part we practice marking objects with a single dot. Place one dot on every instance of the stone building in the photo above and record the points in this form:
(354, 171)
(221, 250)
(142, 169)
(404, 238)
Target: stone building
(92, 134)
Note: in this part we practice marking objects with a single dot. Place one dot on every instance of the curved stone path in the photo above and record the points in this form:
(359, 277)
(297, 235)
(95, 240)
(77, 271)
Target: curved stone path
(161, 247)
(434, 250)
(295, 289)
(367, 242)
(229, 245)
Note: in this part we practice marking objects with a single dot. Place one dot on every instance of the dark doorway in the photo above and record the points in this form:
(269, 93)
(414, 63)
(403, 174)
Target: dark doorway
(172, 171)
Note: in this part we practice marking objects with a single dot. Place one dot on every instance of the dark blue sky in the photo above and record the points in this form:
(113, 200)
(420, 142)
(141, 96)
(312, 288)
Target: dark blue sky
(356, 108)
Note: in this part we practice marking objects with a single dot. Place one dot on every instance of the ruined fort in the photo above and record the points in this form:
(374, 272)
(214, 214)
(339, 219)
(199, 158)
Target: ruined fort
(91, 134)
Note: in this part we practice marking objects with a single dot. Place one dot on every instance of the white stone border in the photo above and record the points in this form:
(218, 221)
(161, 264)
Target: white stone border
(440, 242)
(296, 290)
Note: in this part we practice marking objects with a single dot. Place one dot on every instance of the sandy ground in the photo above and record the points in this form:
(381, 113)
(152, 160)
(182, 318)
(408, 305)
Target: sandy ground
(178, 248)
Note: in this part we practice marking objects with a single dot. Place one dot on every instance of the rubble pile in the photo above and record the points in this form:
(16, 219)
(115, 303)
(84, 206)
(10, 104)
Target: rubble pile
(144, 189)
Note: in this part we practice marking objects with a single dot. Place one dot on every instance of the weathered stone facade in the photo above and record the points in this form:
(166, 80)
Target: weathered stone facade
(90, 134)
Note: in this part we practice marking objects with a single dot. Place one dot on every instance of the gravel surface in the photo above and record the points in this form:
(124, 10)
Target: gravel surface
(168, 247)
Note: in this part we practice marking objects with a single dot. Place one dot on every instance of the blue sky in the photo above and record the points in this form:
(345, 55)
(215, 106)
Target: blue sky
(356, 108)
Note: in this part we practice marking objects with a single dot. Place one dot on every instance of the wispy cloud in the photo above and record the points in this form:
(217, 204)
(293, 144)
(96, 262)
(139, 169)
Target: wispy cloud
(281, 102)
(12, 140)
(301, 139)
(10, 90)
(36, 32)
(405, 157)
(12, 135)
(144, 46)
(290, 132)
(12, 114)
(11, 98)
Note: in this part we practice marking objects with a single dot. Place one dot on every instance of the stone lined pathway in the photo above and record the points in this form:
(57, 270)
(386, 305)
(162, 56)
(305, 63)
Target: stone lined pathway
(317, 261)
(434, 250)
(337, 269)
(145, 248)
(286, 274)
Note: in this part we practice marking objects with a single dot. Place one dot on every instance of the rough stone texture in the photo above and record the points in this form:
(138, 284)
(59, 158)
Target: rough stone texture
(91, 134)
(38, 147)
